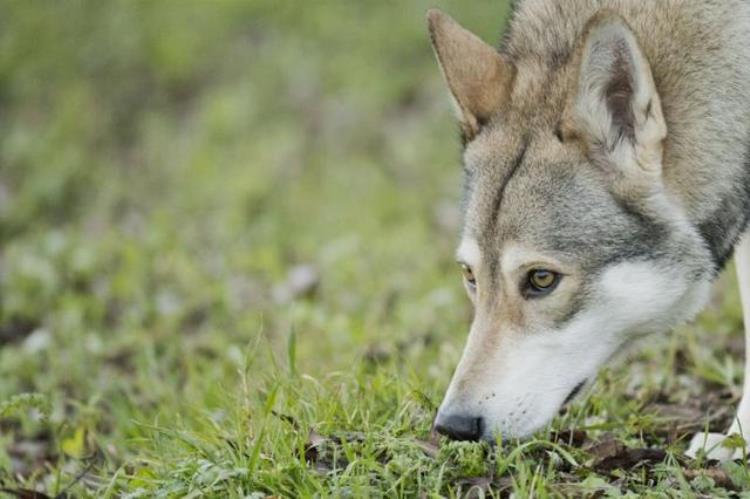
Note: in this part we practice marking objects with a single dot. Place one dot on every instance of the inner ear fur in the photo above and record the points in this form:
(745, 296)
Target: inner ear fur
(614, 104)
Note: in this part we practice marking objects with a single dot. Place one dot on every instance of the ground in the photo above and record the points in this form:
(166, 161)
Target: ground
(226, 270)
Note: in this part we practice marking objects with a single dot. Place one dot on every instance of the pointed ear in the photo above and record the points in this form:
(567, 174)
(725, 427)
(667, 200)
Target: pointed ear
(477, 75)
(616, 107)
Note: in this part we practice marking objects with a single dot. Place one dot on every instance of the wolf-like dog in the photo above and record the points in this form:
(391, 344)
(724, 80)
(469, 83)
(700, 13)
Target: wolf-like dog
(607, 182)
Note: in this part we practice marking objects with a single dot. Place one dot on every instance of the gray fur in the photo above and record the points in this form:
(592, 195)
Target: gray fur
(613, 135)
(701, 66)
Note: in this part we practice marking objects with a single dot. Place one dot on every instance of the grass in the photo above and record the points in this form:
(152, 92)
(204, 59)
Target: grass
(226, 270)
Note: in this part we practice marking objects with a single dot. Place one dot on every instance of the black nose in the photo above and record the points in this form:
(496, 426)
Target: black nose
(459, 427)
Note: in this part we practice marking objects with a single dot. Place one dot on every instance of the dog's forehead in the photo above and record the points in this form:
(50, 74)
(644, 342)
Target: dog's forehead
(514, 179)
(526, 190)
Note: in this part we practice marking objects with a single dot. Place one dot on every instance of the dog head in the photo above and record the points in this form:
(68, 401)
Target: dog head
(572, 245)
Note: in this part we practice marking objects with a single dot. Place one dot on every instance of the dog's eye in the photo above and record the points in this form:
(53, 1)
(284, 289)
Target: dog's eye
(471, 281)
(541, 282)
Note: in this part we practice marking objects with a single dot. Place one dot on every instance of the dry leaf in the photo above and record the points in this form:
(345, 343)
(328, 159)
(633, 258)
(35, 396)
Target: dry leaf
(718, 475)
(628, 459)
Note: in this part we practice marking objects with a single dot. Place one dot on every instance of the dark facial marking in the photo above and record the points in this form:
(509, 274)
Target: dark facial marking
(723, 228)
(652, 232)
(516, 163)
(587, 221)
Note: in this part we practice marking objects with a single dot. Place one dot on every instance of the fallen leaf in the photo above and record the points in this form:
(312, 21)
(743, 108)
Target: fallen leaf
(611, 454)
(629, 459)
(575, 438)
(606, 447)
(718, 475)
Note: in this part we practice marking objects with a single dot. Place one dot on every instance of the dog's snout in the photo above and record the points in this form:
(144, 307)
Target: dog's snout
(459, 427)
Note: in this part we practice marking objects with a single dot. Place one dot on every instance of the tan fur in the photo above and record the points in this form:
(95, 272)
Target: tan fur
(476, 74)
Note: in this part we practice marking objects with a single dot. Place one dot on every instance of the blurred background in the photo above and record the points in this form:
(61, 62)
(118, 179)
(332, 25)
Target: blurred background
(180, 179)
(199, 196)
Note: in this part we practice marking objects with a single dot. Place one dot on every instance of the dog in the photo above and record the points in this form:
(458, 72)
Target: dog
(607, 183)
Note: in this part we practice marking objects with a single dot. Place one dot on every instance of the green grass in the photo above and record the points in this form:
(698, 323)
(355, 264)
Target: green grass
(165, 165)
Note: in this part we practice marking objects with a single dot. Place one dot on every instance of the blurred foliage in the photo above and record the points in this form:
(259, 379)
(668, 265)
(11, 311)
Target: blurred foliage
(186, 183)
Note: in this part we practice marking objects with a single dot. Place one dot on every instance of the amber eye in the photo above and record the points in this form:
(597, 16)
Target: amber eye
(541, 282)
(471, 281)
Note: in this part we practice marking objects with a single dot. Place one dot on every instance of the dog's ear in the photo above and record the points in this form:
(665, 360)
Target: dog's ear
(477, 75)
(615, 107)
